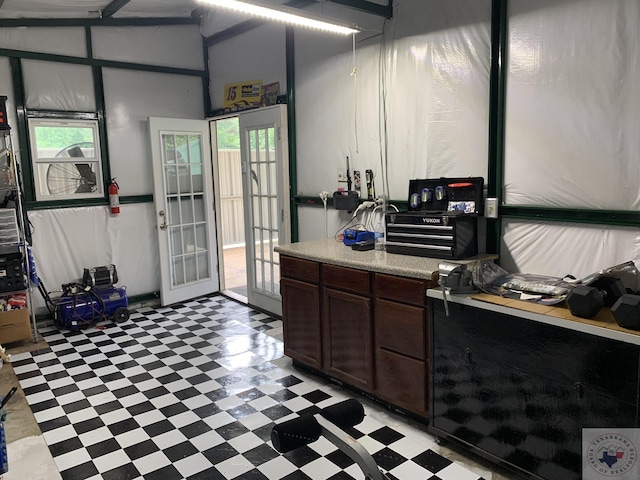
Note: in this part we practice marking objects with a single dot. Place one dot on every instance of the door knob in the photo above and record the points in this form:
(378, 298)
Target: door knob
(164, 225)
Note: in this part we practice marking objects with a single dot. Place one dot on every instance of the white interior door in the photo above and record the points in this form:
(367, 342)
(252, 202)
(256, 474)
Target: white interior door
(265, 176)
(183, 186)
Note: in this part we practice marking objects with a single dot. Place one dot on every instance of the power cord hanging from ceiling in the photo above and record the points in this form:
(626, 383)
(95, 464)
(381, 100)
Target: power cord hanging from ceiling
(382, 108)
(354, 74)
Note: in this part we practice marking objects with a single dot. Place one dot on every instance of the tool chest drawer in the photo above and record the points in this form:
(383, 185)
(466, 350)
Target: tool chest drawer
(347, 279)
(440, 234)
(299, 269)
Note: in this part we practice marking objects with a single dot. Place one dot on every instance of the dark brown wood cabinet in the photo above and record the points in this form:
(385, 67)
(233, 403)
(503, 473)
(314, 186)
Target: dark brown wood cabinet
(401, 350)
(348, 338)
(300, 290)
(348, 325)
(367, 330)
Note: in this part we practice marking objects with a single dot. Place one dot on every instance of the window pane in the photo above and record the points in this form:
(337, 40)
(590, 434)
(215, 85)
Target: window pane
(64, 141)
(66, 159)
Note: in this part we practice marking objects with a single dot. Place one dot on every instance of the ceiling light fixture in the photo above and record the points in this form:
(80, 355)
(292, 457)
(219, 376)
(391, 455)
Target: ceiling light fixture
(280, 15)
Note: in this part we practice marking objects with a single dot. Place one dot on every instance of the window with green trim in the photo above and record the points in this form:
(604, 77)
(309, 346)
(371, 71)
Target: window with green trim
(66, 159)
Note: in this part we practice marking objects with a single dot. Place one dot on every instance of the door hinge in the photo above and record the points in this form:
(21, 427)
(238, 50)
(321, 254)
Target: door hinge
(244, 167)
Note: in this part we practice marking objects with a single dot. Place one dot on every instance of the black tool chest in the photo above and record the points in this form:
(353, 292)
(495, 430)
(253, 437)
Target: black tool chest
(441, 220)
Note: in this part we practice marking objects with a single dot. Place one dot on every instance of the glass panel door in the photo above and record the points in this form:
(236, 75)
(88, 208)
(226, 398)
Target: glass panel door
(186, 233)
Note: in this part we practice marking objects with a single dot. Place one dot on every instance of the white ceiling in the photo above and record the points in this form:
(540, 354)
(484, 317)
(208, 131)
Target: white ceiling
(213, 20)
(88, 8)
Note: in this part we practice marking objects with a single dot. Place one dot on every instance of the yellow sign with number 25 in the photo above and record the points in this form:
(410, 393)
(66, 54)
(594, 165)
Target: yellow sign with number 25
(242, 94)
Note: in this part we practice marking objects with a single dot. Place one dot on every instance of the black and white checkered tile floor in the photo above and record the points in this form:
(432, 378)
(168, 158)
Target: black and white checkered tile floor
(192, 392)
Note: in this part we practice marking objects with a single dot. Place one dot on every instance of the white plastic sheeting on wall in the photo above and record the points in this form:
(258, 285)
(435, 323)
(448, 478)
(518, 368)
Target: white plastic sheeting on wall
(258, 54)
(58, 86)
(155, 45)
(131, 97)
(571, 140)
(558, 249)
(573, 104)
(65, 241)
(433, 70)
(65, 41)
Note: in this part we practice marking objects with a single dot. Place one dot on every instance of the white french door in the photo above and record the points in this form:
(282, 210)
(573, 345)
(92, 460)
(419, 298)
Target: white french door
(265, 177)
(183, 198)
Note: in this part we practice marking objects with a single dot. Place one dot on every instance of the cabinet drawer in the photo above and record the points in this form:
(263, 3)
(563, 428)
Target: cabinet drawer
(299, 269)
(348, 279)
(400, 289)
(402, 381)
(400, 328)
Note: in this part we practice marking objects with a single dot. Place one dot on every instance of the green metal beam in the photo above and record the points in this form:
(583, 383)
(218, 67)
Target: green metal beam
(89, 41)
(98, 88)
(113, 7)
(34, 113)
(23, 128)
(385, 11)
(5, 52)
(497, 93)
(597, 217)
(87, 202)
(249, 24)
(97, 22)
(306, 201)
(291, 124)
(206, 79)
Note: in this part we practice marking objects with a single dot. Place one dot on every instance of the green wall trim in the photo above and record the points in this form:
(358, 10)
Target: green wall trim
(599, 217)
(49, 57)
(87, 202)
(97, 22)
(307, 201)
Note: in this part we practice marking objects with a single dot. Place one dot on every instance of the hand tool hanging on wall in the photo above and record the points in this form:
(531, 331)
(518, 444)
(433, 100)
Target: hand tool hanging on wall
(371, 190)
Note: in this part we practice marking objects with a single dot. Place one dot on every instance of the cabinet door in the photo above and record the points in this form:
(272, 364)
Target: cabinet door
(348, 338)
(301, 321)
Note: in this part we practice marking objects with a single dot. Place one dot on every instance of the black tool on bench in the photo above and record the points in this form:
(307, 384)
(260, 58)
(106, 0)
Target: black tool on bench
(626, 311)
(586, 301)
(328, 423)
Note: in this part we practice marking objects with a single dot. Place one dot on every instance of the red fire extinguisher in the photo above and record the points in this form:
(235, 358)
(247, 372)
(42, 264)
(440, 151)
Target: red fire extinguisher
(114, 200)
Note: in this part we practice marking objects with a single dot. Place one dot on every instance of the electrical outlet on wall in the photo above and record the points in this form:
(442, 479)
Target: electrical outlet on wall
(491, 208)
(342, 175)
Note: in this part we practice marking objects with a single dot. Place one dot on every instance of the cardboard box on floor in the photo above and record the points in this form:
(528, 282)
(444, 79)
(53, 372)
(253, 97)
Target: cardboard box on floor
(15, 325)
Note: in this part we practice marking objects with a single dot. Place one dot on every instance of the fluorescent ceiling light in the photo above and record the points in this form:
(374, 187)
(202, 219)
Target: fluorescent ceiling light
(279, 15)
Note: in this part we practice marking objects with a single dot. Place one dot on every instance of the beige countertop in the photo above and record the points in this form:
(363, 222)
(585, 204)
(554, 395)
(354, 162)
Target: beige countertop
(336, 253)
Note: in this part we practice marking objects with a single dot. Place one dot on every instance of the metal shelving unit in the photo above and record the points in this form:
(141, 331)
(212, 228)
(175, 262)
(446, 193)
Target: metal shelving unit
(14, 274)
